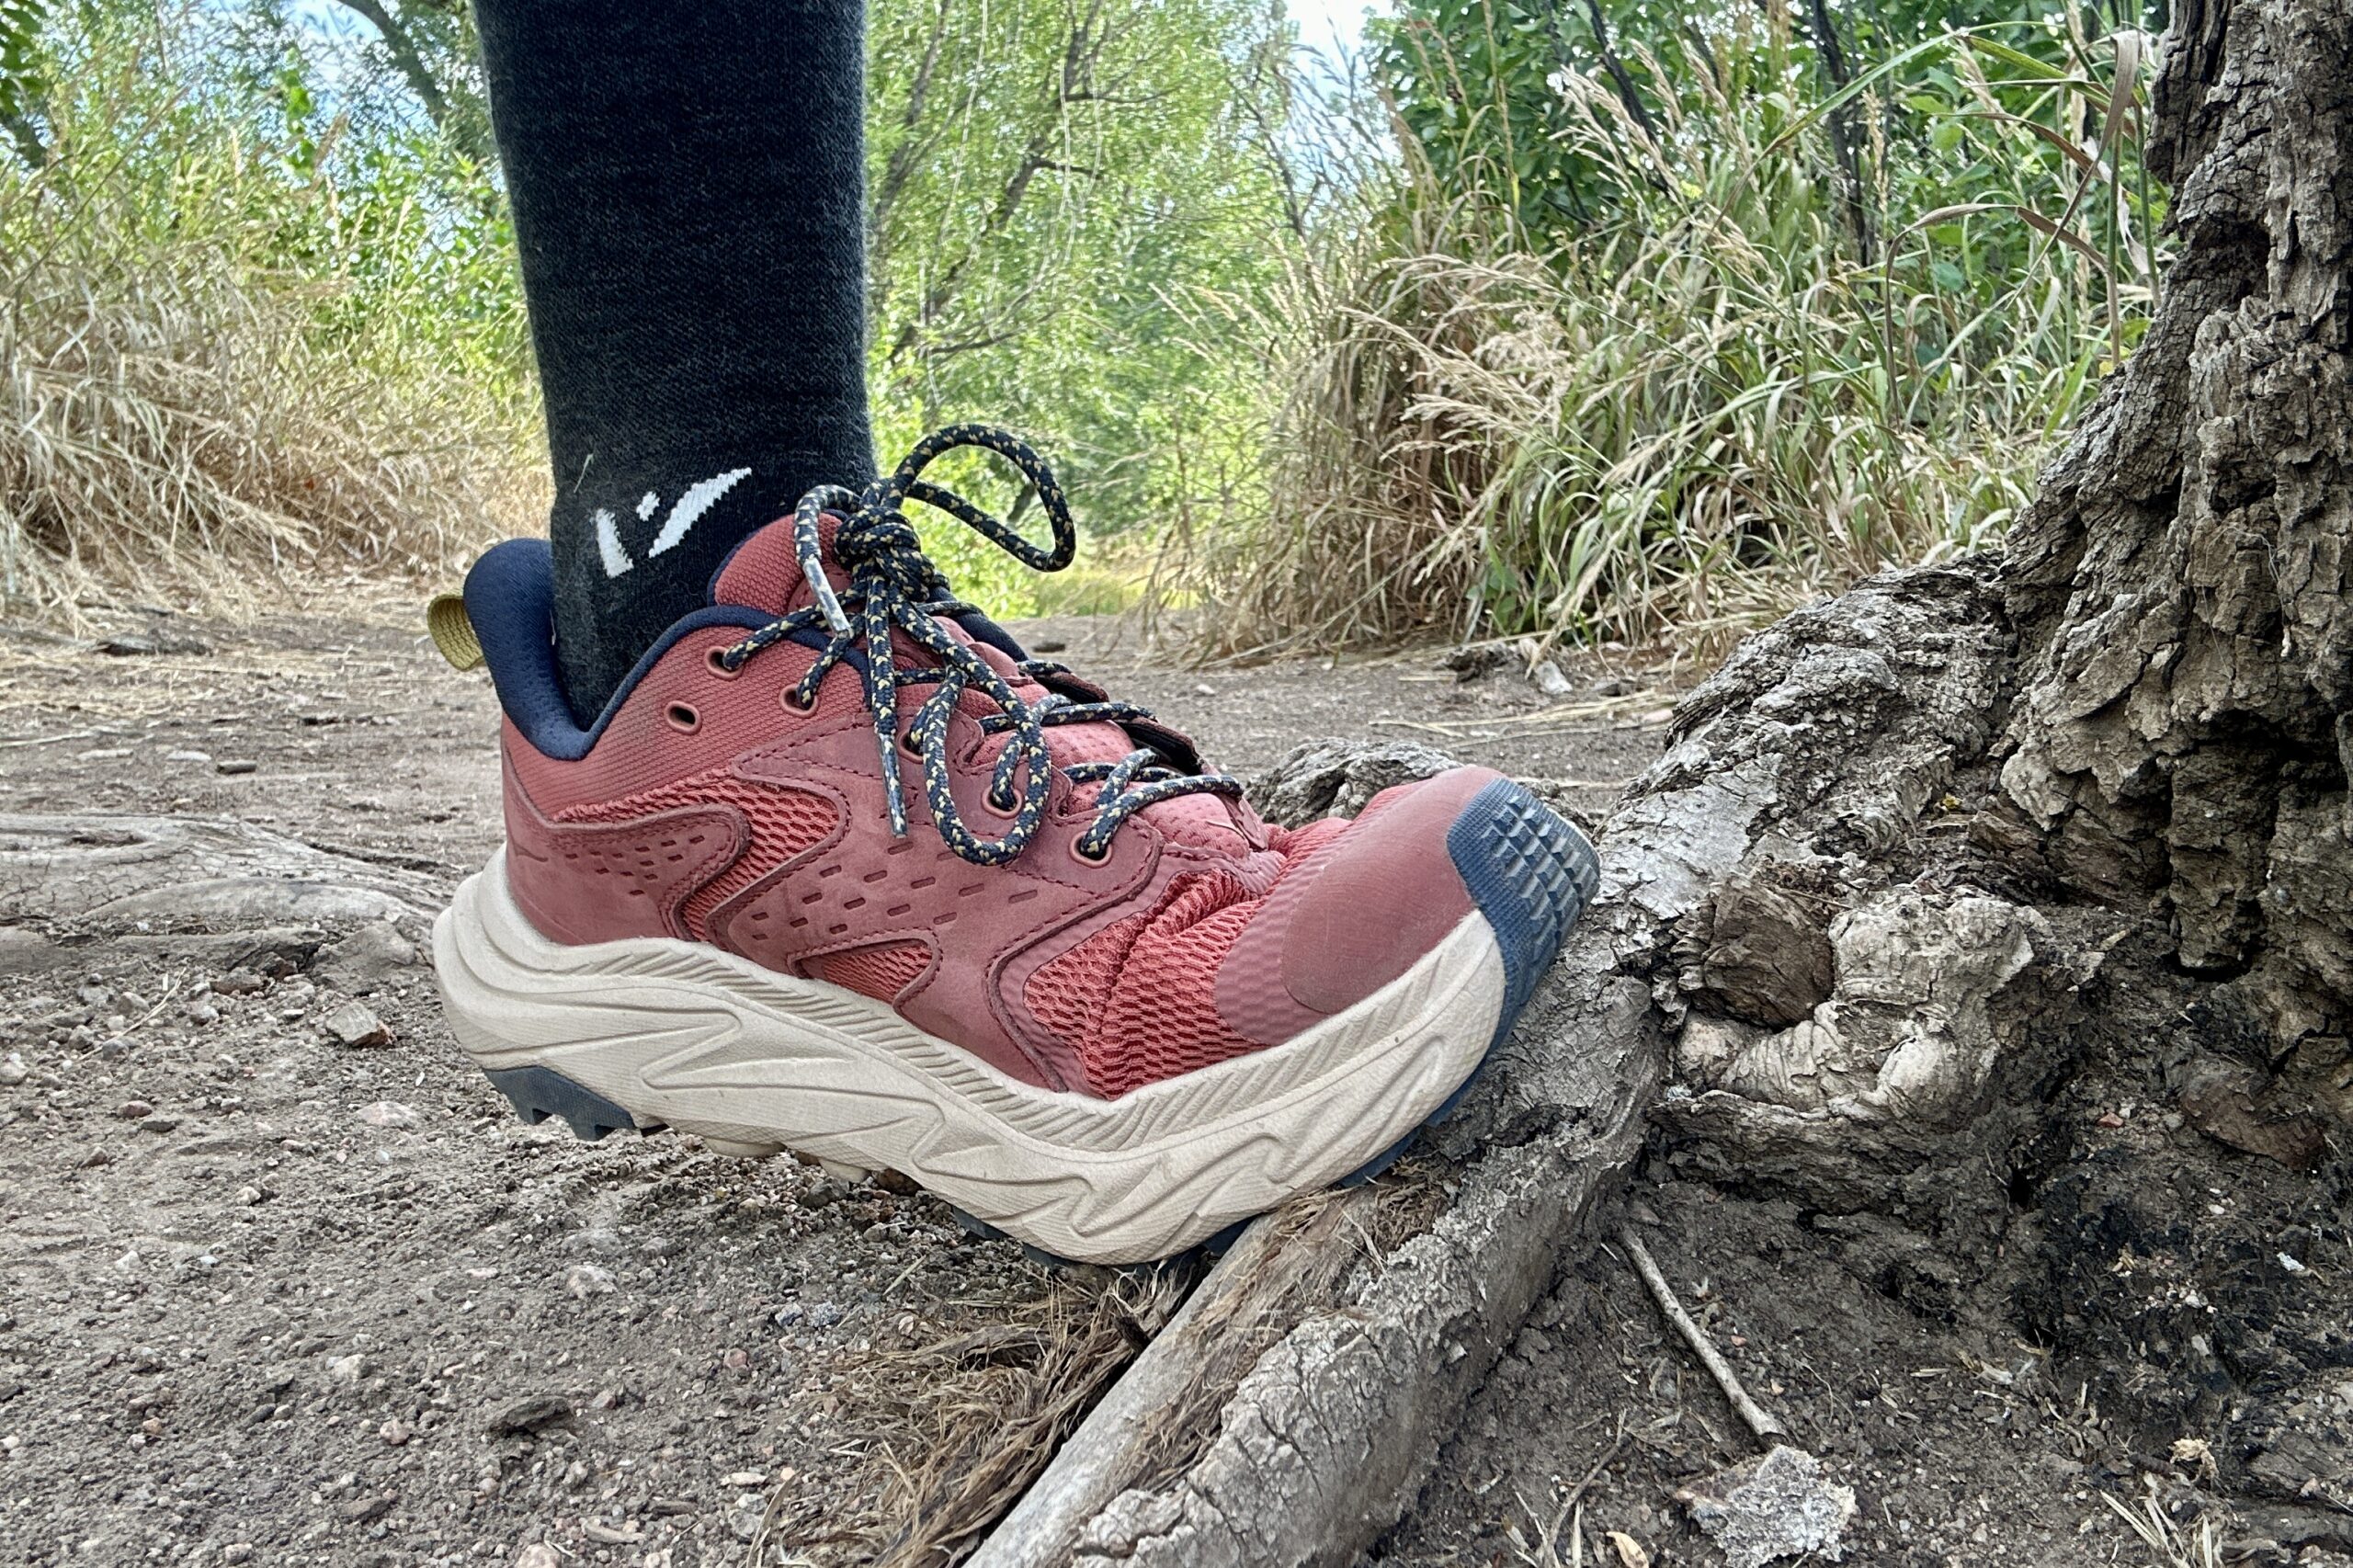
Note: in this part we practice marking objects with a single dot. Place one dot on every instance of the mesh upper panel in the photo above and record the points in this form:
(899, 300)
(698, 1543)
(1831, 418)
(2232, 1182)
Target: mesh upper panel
(783, 822)
(1137, 1001)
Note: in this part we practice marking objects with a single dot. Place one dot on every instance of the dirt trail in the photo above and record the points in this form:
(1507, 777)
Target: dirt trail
(271, 1297)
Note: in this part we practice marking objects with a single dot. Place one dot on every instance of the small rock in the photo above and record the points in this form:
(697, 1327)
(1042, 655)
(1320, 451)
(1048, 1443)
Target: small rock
(366, 1508)
(347, 1370)
(529, 1414)
(187, 754)
(1779, 1506)
(354, 1026)
(131, 1110)
(366, 959)
(130, 644)
(200, 1013)
(539, 1554)
(13, 1071)
(237, 1551)
(393, 1433)
(238, 982)
(247, 1197)
(160, 1125)
(823, 1315)
(586, 1280)
(1546, 677)
(606, 1399)
(736, 1360)
(234, 766)
(388, 1113)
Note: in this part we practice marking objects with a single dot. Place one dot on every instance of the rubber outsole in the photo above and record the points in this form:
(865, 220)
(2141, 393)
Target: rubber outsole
(1530, 872)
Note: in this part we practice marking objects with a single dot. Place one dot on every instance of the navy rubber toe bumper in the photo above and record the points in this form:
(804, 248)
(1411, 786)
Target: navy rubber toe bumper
(1531, 873)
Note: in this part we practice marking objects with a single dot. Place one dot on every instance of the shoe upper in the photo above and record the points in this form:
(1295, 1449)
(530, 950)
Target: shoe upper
(735, 795)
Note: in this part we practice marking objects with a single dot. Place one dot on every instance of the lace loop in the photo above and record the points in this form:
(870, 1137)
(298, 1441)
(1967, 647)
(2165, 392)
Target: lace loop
(894, 586)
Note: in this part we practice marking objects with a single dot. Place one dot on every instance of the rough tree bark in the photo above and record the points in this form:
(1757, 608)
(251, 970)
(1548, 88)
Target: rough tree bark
(2185, 718)
(1927, 866)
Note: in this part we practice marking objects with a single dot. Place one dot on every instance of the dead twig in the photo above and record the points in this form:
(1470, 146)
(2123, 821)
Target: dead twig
(1763, 1424)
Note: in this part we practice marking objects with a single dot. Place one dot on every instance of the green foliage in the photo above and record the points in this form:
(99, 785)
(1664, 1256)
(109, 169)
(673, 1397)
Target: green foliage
(21, 82)
(1050, 186)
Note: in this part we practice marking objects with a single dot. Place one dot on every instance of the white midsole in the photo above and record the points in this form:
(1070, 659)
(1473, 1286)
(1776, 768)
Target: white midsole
(690, 1035)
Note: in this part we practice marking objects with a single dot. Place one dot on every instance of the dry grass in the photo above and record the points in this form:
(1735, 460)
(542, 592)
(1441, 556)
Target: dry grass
(224, 385)
(955, 1431)
(1703, 411)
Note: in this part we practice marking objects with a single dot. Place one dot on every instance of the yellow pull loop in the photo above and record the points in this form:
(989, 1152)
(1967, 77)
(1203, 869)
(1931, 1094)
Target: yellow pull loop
(445, 618)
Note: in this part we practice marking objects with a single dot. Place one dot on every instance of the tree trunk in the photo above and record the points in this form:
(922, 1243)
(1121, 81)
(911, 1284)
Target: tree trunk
(2185, 718)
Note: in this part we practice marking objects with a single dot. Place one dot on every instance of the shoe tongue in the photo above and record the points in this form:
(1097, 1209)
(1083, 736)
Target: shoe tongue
(764, 575)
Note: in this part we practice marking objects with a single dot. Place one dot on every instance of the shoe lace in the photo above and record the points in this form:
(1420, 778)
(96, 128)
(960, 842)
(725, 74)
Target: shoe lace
(895, 586)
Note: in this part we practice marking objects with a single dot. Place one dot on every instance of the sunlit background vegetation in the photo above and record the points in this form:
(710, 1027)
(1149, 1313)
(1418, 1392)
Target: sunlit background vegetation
(1592, 318)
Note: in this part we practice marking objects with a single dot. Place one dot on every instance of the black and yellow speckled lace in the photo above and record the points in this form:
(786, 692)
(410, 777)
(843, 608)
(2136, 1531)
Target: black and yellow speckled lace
(893, 584)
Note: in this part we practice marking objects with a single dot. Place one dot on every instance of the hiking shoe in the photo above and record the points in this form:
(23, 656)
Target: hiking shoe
(841, 869)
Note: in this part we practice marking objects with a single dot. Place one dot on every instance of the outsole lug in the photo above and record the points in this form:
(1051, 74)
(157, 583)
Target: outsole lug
(538, 1093)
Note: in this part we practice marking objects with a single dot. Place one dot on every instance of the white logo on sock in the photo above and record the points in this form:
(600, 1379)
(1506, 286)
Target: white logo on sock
(701, 497)
(609, 545)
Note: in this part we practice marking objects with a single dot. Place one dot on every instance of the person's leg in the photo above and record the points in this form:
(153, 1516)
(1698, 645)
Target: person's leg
(688, 190)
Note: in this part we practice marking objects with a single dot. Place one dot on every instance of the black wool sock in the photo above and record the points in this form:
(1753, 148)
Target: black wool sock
(689, 190)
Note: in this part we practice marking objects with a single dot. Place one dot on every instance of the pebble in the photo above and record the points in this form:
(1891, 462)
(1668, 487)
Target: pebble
(131, 1110)
(237, 1551)
(187, 755)
(238, 982)
(539, 1554)
(233, 767)
(393, 1433)
(388, 1113)
(529, 1414)
(586, 1280)
(354, 1026)
(347, 1370)
(1547, 677)
(13, 1071)
(248, 1196)
(202, 1012)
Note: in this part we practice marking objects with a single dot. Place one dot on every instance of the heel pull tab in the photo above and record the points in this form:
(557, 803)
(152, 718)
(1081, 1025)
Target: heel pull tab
(453, 634)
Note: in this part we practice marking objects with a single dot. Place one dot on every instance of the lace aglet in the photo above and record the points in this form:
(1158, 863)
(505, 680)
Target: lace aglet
(834, 617)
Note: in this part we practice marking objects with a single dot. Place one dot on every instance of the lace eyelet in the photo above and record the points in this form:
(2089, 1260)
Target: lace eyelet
(683, 717)
(911, 745)
(791, 697)
(1003, 814)
(1079, 854)
(716, 658)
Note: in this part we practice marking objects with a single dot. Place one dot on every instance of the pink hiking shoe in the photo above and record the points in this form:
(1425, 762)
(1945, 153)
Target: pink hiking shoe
(841, 869)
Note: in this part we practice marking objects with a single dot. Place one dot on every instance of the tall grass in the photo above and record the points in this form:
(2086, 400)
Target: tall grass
(1700, 411)
(236, 359)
